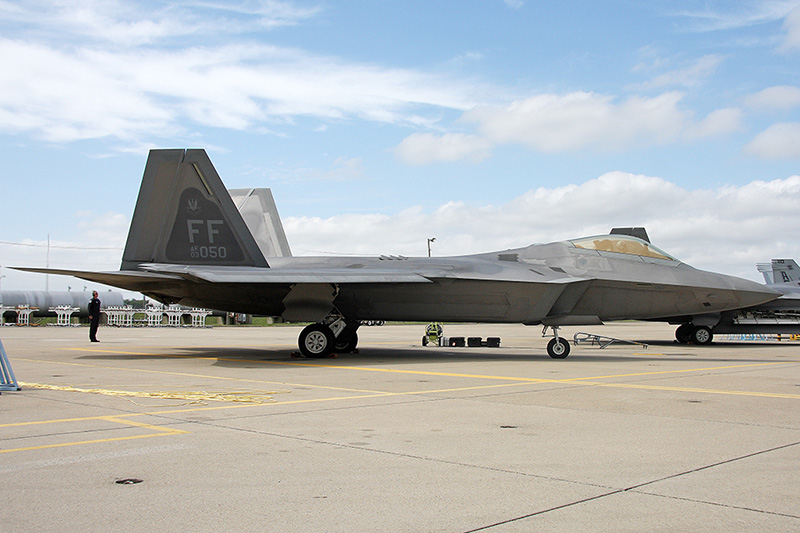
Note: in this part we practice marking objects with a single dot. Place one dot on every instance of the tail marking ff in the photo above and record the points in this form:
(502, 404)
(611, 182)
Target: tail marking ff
(184, 215)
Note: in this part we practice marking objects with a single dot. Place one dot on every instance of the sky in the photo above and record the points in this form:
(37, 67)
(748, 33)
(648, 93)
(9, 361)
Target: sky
(487, 124)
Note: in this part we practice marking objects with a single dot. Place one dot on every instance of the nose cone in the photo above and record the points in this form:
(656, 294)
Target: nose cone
(749, 293)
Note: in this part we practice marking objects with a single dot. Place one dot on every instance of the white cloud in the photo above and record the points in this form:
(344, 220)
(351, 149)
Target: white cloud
(688, 76)
(557, 123)
(734, 15)
(94, 71)
(731, 15)
(779, 141)
(716, 123)
(97, 245)
(779, 98)
(131, 24)
(553, 123)
(68, 97)
(792, 27)
(425, 148)
(88, 93)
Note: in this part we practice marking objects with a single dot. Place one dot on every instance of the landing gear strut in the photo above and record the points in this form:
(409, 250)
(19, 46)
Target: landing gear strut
(558, 347)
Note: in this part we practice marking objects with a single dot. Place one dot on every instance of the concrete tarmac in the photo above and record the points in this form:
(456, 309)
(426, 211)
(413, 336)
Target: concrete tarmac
(143, 432)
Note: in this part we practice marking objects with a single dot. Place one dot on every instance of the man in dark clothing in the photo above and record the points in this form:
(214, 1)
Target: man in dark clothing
(94, 316)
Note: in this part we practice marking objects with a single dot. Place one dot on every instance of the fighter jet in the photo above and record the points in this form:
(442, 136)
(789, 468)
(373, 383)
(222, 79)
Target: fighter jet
(189, 244)
(778, 316)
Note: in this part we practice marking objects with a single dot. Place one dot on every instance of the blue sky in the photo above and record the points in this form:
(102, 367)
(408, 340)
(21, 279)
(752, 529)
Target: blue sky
(487, 124)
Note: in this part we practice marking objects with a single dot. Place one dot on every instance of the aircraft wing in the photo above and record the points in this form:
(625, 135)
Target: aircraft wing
(218, 274)
(140, 280)
(157, 274)
(285, 275)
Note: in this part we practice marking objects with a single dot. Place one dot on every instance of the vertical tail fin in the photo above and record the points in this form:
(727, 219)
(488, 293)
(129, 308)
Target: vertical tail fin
(260, 213)
(785, 271)
(184, 215)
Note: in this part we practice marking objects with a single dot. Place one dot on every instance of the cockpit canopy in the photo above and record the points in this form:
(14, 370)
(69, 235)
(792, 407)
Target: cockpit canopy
(621, 244)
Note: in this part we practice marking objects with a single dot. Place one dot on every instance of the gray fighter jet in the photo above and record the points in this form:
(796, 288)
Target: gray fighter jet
(189, 244)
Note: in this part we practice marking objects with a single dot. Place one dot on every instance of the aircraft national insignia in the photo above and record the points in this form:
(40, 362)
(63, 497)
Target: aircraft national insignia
(193, 206)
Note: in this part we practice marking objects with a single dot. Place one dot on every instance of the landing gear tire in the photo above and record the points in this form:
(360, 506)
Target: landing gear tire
(558, 348)
(684, 333)
(348, 345)
(702, 335)
(316, 340)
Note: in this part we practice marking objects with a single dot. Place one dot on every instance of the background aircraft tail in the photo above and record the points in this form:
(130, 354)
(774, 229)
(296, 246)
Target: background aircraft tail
(184, 215)
(780, 271)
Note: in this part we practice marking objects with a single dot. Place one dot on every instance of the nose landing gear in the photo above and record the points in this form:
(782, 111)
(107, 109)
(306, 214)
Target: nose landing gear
(558, 347)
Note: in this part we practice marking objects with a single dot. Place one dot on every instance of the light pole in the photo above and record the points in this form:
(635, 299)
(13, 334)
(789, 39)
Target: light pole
(429, 245)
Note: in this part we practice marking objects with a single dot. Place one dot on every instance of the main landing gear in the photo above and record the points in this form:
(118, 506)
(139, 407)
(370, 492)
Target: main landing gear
(689, 333)
(333, 335)
(558, 347)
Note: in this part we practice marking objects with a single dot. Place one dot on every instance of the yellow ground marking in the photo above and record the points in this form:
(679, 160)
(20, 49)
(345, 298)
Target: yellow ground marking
(518, 378)
(514, 381)
(371, 393)
(726, 367)
(163, 431)
(187, 374)
(158, 431)
(188, 397)
(693, 389)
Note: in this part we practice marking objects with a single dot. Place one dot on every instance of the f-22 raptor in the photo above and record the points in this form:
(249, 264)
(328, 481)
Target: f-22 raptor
(189, 244)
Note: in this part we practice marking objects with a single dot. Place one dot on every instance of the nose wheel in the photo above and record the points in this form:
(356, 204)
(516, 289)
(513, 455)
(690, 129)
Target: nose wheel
(558, 347)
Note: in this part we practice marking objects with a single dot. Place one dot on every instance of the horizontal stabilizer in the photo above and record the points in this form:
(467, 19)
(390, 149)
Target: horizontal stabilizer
(130, 280)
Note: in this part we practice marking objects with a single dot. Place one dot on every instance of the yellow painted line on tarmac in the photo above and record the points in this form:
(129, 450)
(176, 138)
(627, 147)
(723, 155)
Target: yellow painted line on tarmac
(335, 399)
(518, 378)
(188, 374)
(372, 393)
(158, 431)
(693, 389)
(685, 370)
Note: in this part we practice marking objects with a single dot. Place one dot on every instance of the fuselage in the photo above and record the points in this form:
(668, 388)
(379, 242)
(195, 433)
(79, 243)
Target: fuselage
(556, 284)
